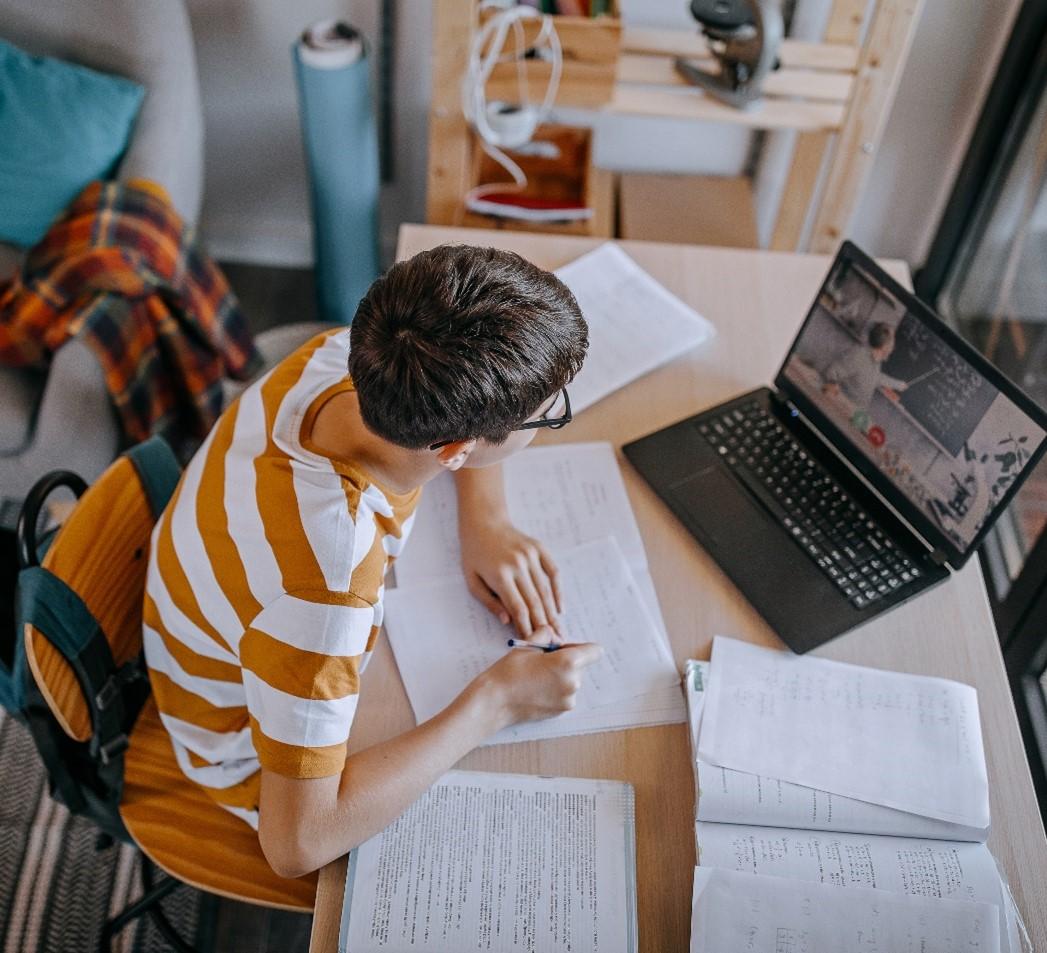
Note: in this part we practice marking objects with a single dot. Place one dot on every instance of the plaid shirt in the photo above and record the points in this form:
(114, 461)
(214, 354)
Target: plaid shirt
(121, 270)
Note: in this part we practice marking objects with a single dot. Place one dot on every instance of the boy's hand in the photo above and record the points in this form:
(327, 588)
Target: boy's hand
(526, 685)
(513, 575)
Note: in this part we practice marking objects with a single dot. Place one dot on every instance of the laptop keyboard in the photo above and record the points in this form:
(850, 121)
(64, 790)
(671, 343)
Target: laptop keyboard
(836, 533)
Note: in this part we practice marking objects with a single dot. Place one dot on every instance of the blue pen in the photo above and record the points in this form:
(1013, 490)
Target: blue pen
(520, 644)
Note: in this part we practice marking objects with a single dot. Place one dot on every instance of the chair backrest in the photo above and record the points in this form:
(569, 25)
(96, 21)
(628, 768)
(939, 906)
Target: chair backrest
(80, 614)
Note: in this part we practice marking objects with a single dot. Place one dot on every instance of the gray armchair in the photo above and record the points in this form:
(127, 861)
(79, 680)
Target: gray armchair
(63, 418)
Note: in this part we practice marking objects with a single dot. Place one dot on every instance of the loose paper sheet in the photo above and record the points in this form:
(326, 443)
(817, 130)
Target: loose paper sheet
(760, 914)
(562, 495)
(735, 797)
(505, 863)
(443, 638)
(908, 742)
(635, 323)
(927, 868)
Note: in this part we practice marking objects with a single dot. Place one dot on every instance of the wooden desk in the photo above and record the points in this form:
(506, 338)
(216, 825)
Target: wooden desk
(757, 301)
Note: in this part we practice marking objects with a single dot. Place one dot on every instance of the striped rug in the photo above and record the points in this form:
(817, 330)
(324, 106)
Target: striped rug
(56, 889)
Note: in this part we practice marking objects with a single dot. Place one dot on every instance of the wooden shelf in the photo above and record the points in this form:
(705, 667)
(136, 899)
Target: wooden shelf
(590, 54)
(569, 176)
(639, 69)
(693, 104)
(835, 94)
(808, 93)
(794, 54)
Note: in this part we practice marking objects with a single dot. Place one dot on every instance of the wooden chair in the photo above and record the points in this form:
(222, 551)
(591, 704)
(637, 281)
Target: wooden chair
(107, 752)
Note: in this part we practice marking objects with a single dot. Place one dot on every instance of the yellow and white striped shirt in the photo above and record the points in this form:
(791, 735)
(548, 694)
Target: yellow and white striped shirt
(264, 594)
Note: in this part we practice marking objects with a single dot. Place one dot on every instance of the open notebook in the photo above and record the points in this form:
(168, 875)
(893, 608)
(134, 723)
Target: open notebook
(571, 497)
(500, 862)
(759, 828)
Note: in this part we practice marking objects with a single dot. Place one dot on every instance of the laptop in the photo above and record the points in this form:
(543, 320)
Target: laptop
(873, 468)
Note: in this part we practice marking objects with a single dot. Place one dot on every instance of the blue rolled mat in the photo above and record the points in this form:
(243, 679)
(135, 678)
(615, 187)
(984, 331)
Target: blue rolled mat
(341, 149)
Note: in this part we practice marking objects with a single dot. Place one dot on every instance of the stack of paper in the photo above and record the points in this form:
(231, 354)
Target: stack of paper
(635, 324)
(573, 499)
(817, 771)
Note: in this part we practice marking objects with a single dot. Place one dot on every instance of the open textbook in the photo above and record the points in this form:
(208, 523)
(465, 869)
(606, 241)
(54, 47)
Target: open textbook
(755, 824)
(569, 496)
(635, 323)
(498, 862)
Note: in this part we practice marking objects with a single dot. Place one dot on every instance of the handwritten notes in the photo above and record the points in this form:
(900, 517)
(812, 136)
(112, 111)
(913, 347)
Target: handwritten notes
(928, 868)
(907, 742)
(443, 638)
(635, 323)
(737, 797)
(762, 914)
(727, 796)
(562, 495)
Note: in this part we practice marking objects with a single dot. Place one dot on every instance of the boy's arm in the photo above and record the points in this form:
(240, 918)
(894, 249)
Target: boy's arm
(511, 573)
(306, 823)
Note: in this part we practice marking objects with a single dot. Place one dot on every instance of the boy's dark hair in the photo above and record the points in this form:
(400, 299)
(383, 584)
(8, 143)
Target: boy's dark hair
(461, 342)
(880, 334)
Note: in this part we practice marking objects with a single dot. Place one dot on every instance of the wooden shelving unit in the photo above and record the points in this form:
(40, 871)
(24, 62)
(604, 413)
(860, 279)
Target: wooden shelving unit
(836, 95)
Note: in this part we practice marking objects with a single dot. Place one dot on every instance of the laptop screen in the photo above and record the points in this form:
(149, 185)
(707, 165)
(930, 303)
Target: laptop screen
(936, 420)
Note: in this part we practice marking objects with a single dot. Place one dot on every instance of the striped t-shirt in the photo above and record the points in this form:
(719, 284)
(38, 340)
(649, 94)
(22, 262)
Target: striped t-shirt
(264, 594)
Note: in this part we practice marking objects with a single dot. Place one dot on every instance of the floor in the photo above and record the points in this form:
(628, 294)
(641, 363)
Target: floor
(269, 296)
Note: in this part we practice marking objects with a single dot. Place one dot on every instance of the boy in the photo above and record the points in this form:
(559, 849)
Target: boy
(264, 596)
(857, 372)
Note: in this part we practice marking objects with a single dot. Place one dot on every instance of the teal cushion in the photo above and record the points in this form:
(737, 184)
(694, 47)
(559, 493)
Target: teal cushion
(61, 126)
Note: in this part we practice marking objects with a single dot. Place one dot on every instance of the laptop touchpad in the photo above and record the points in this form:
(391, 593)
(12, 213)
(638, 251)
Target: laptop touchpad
(715, 507)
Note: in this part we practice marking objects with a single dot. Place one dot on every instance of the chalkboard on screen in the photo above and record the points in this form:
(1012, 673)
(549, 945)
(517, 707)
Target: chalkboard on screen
(946, 394)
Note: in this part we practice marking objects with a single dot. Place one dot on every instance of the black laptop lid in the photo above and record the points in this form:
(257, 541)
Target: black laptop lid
(939, 431)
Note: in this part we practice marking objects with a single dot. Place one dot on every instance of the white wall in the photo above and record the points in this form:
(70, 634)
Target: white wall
(953, 60)
(256, 203)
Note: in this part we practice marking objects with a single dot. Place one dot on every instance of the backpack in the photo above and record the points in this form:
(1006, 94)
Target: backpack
(76, 675)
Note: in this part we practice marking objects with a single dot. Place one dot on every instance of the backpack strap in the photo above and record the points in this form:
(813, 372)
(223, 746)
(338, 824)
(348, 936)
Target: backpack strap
(55, 610)
(29, 551)
(158, 469)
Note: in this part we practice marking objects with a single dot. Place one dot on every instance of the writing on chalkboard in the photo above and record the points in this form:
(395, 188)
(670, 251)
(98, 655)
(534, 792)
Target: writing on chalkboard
(945, 394)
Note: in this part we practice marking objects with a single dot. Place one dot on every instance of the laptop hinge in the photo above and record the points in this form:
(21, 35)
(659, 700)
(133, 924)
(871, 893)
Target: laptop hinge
(939, 558)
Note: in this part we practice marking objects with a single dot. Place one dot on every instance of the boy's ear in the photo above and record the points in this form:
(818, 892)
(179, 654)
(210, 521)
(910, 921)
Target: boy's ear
(454, 455)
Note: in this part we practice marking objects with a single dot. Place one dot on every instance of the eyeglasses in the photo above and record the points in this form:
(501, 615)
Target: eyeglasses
(553, 423)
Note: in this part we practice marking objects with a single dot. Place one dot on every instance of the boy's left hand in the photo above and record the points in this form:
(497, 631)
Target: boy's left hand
(513, 575)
